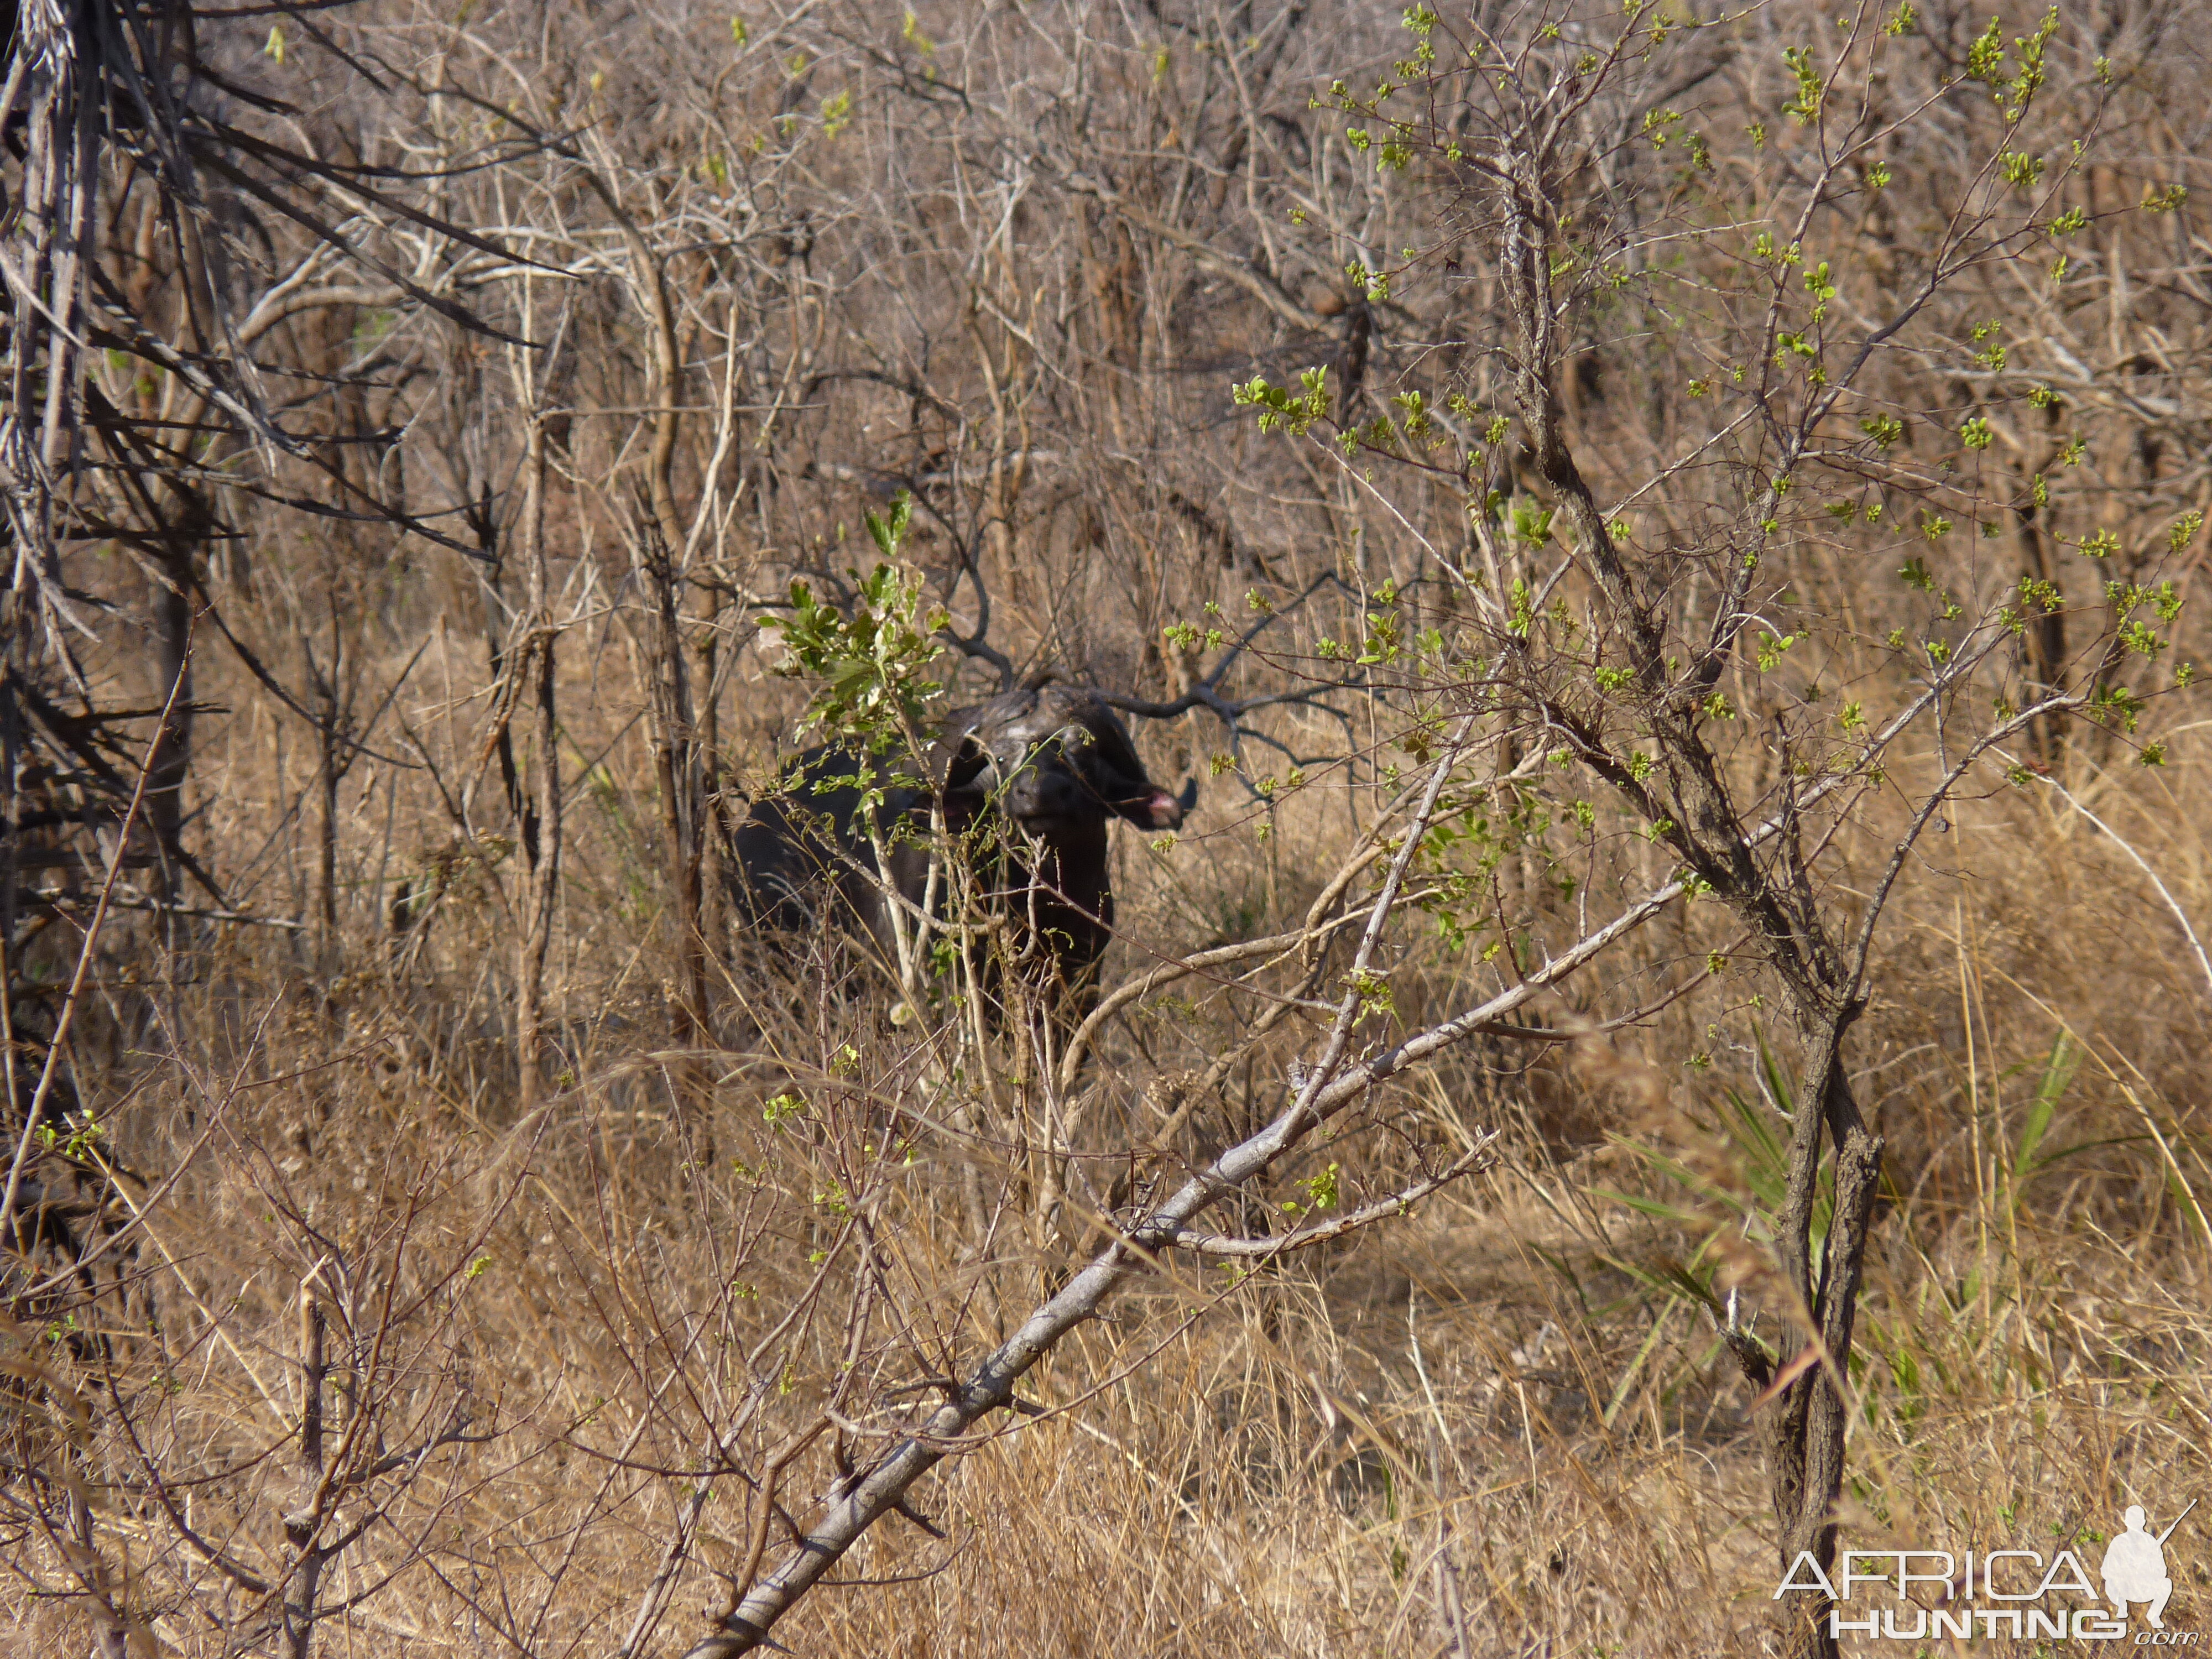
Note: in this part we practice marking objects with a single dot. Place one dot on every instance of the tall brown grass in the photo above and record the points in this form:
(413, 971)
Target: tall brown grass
(1497, 1403)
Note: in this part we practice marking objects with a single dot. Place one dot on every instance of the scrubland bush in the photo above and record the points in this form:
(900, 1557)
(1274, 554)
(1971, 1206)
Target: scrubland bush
(1669, 1045)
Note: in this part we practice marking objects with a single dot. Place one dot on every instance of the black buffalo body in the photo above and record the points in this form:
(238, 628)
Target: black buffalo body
(1028, 782)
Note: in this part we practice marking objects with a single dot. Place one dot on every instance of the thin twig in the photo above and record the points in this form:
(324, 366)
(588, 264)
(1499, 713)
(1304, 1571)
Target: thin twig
(2196, 945)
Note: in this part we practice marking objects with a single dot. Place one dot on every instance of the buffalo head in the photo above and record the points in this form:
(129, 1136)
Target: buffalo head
(1051, 756)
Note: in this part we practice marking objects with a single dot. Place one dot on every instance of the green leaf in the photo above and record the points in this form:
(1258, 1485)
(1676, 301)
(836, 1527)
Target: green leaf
(887, 533)
(2057, 1077)
(1651, 1206)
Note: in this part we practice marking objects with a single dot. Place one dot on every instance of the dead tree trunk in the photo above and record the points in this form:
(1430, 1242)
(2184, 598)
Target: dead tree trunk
(303, 1523)
(657, 559)
(678, 773)
(172, 643)
(541, 823)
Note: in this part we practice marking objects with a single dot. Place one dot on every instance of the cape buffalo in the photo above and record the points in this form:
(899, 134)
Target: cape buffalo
(1026, 781)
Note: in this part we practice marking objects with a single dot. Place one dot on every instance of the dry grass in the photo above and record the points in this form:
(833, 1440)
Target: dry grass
(1267, 1466)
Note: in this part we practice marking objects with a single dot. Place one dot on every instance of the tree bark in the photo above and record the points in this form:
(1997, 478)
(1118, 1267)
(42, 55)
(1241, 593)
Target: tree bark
(2045, 630)
(541, 838)
(304, 1525)
(172, 649)
(678, 772)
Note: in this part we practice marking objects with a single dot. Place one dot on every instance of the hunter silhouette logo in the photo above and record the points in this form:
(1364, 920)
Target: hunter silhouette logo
(2135, 1568)
(2004, 1592)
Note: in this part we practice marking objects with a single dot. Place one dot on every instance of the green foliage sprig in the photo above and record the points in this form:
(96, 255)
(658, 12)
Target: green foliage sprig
(872, 666)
